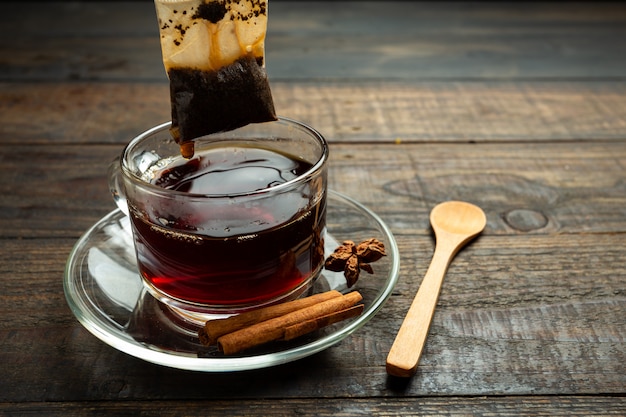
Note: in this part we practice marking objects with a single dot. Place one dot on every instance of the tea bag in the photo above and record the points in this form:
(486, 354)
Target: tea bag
(214, 55)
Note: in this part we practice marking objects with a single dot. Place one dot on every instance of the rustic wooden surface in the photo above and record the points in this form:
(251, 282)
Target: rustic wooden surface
(519, 108)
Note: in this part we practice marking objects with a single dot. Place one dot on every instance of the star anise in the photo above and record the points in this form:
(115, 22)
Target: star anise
(351, 258)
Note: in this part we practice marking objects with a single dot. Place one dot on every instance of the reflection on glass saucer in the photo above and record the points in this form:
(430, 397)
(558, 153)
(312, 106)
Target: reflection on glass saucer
(106, 294)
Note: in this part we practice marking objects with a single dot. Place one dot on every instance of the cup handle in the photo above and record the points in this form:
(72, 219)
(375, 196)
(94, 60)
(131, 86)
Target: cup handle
(115, 185)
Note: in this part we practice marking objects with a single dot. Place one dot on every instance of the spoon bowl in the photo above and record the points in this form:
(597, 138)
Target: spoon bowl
(458, 217)
(455, 223)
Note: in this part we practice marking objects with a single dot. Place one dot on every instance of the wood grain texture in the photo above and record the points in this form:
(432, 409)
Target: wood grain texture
(343, 407)
(405, 111)
(524, 188)
(523, 310)
(560, 335)
(517, 107)
(367, 40)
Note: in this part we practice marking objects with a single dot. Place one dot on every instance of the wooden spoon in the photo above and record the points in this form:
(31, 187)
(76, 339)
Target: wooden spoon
(455, 223)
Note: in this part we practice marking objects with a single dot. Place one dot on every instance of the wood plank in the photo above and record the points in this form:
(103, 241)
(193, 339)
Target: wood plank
(521, 315)
(556, 406)
(459, 40)
(367, 40)
(531, 188)
(85, 112)
(57, 190)
(518, 107)
(571, 275)
(559, 304)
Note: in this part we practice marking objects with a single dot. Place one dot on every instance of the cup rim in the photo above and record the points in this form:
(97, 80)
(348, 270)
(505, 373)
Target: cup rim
(305, 177)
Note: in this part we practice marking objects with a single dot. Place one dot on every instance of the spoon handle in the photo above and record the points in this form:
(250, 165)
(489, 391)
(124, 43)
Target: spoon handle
(407, 347)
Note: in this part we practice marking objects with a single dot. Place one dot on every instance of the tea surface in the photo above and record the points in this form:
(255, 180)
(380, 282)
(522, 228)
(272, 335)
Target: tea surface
(231, 255)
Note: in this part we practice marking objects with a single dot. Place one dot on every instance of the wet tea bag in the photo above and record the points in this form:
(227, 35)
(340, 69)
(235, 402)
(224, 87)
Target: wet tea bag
(214, 55)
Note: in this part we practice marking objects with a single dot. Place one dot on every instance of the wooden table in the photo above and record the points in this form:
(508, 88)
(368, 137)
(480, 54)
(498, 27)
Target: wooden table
(519, 108)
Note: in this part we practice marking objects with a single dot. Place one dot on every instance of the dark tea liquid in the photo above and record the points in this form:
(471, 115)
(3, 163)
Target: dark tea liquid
(231, 256)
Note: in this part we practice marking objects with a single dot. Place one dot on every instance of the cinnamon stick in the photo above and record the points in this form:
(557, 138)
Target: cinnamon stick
(213, 329)
(309, 326)
(274, 329)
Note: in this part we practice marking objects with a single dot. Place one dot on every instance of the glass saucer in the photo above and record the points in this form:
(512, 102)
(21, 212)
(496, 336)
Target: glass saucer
(107, 296)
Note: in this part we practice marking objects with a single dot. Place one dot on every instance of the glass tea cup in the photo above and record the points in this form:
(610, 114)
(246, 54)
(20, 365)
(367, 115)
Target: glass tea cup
(239, 225)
